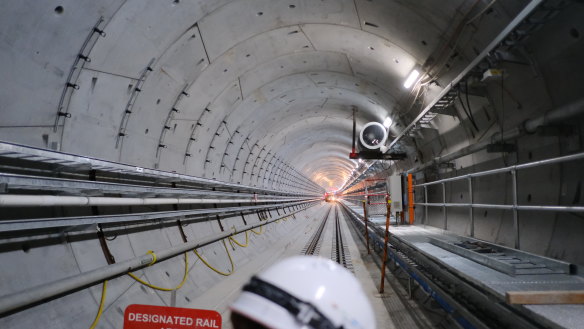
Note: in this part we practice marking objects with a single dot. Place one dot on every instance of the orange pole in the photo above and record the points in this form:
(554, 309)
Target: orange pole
(387, 218)
(411, 198)
(366, 229)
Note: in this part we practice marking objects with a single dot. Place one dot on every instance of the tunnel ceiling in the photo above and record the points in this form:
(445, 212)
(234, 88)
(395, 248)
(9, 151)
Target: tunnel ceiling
(230, 90)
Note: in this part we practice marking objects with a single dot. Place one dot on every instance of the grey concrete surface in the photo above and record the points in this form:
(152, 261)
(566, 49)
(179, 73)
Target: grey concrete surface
(260, 92)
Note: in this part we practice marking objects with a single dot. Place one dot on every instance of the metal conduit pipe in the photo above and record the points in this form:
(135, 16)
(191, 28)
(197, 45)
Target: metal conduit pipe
(530, 126)
(562, 113)
(16, 200)
(82, 223)
(51, 290)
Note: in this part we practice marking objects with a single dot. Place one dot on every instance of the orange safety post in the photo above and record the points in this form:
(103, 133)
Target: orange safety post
(411, 198)
(387, 218)
(366, 229)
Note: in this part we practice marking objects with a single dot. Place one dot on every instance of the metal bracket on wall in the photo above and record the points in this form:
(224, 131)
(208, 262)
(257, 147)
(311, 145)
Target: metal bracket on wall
(128, 110)
(193, 137)
(70, 85)
(173, 111)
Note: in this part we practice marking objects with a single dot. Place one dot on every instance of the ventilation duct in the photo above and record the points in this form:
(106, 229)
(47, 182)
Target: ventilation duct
(373, 137)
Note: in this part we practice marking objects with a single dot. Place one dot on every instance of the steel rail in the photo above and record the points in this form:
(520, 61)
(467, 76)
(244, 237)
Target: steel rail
(316, 238)
(339, 247)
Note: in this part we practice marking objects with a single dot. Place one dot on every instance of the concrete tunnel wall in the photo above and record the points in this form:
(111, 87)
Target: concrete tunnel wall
(269, 84)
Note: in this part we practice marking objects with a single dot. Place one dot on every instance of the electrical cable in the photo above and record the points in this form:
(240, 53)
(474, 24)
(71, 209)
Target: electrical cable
(186, 273)
(468, 104)
(112, 238)
(213, 268)
(185, 276)
(444, 54)
(467, 112)
(240, 244)
(260, 232)
(101, 304)
(487, 7)
(502, 118)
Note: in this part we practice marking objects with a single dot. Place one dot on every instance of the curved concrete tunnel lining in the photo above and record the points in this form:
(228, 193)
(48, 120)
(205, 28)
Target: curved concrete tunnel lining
(157, 148)
(309, 149)
(130, 130)
(271, 110)
(268, 107)
(306, 134)
(349, 43)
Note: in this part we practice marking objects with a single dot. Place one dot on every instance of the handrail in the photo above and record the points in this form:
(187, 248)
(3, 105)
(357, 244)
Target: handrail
(571, 157)
(515, 207)
(505, 206)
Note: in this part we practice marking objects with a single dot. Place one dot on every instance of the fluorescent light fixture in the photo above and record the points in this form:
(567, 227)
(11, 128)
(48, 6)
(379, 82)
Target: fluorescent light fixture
(320, 291)
(387, 122)
(411, 79)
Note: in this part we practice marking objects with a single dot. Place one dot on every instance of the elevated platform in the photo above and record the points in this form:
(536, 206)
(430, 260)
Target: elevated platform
(496, 281)
(494, 270)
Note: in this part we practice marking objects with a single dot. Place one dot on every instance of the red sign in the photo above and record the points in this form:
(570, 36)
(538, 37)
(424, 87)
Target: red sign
(161, 317)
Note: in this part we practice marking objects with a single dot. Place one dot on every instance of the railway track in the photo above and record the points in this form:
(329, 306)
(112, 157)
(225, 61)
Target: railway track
(339, 251)
(313, 245)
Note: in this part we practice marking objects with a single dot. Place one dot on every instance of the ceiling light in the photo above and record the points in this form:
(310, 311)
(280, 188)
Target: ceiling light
(387, 122)
(411, 79)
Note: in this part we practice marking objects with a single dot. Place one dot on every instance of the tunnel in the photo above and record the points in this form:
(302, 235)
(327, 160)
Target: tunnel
(160, 153)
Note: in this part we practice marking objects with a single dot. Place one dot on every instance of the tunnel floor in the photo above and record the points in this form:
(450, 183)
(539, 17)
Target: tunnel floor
(392, 308)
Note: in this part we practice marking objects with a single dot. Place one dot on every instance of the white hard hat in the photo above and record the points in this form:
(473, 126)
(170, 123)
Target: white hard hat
(305, 292)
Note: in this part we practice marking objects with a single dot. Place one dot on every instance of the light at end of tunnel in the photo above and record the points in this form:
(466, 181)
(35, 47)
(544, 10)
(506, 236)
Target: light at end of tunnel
(387, 122)
(411, 79)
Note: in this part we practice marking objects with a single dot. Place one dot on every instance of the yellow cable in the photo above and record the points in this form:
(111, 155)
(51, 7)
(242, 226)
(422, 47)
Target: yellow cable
(101, 304)
(260, 232)
(240, 244)
(153, 257)
(186, 275)
(214, 269)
